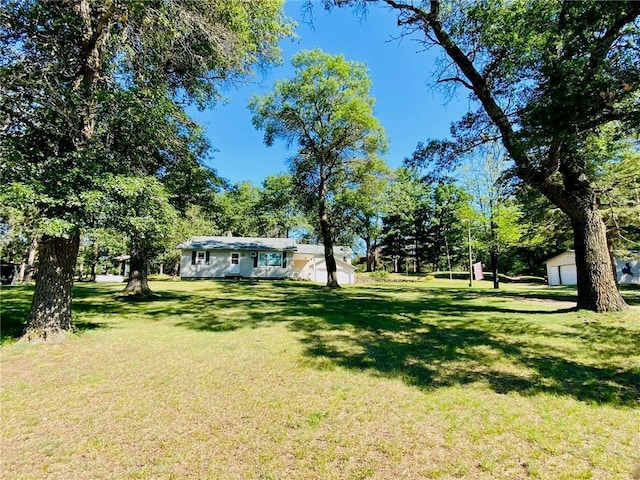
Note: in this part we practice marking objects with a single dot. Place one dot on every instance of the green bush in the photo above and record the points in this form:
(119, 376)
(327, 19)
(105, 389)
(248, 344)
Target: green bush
(380, 274)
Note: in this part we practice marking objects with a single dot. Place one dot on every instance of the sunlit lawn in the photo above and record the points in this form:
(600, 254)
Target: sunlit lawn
(287, 380)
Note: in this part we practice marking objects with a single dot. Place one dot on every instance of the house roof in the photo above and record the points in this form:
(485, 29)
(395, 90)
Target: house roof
(239, 243)
(258, 243)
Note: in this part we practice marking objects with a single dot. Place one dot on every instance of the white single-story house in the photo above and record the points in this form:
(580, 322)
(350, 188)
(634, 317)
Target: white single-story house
(260, 258)
(561, 269)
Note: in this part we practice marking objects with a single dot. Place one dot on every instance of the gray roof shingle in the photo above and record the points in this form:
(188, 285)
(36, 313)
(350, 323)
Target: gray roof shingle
(239, 243)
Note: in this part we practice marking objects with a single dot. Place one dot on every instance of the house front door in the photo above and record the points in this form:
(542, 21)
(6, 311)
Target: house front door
(234, 267)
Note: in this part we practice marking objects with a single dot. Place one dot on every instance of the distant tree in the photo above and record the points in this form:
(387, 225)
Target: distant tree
(327, 111)
(407, 214)
(195, 221)
(447, 232)
(19, 229)
(98, 248)
(70, 70)
(500, 218)
(236, 210)
(280, 213)
(364, 208)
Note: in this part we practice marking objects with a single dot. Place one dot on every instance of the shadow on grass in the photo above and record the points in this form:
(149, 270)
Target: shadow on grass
(527, 342)
(440, 337)
(16, 303)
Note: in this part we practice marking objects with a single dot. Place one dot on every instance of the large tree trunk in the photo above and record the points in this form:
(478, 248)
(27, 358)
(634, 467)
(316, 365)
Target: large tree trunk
(597, 289)
(367, 242)
(138, 284)
(332, 273)
(50, 315)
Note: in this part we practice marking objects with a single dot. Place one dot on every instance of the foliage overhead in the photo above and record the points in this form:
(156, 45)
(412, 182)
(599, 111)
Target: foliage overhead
(90, 89)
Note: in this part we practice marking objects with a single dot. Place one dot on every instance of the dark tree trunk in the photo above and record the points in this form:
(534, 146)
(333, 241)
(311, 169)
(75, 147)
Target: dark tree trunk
(50, 315)
(494, 267)
(597, 289)
(176, 268)
(94, 260)
(138, 284)
(332, 274)
(367, 241)
(493, 251)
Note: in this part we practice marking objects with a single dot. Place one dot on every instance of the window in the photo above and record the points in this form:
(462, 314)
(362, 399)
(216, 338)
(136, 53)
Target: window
(200, 258)
(235, 259)
(270, 259)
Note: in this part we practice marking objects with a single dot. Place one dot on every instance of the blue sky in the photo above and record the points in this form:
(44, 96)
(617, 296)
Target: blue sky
(401, 71)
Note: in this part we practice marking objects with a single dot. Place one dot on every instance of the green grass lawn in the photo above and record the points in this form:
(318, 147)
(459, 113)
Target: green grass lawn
(288, 380)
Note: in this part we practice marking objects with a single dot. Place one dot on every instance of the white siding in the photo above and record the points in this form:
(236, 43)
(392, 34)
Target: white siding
(220, 265)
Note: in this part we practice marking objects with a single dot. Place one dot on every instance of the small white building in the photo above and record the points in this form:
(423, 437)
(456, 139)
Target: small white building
(260, 258)
(561, 269)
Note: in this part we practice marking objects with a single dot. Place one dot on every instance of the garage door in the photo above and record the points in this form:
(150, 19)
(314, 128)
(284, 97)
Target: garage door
(568, 275)
(343, 277)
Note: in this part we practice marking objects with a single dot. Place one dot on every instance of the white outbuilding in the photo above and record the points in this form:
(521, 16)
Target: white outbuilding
(561, 269)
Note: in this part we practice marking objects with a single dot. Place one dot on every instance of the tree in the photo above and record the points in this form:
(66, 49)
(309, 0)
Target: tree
(500, 217)
(140, 206)
(364, 206)
(279, 211)
(616, 161)
(195, 221)
(20, 230)
(547, 75)
(407, 215)
(447, 233)
(71, 70)
(236, 210)
(326, 110)
(98, 248)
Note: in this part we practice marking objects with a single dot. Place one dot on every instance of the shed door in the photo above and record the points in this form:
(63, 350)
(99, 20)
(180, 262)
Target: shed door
(568, 275)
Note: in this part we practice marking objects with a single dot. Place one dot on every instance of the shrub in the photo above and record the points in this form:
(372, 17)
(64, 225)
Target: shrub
(380, 275)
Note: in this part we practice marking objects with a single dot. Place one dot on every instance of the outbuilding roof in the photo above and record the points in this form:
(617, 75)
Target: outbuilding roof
(319, 250)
